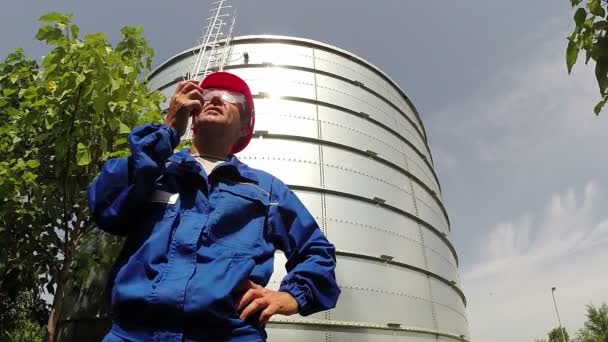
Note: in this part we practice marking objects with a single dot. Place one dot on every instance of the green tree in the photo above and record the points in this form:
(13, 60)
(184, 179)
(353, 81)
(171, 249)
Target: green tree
(25, 318)
(60, 119)
(555, 335)
(590, 35)
(596, 326)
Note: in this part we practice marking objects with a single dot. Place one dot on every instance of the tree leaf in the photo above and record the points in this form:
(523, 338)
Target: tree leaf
(75, 31)
(124, 129)
(32, 163)
(52, 17)
(115, 84)
(49, 34)
(600, 25)
(79, 79)
(48, 123)
(595, 8)
(83, 155)
(601, 47)
(575, 3)
(598, 107)
(119, 142)
(579, 16)
(39, 103)
(8, 92)
(601, 74)
(99, 104)
(571, 55)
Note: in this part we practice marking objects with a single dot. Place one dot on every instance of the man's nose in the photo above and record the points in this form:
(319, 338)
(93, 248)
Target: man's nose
(217, 99)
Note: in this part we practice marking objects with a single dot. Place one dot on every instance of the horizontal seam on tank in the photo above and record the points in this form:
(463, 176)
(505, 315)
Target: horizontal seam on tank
(371, 80)
(418, 136)
(429, 274)
(415, 123)
(372, 120)
(401, 294)
(426, 187)
(296, 160)
(396, 234)
(400, 211)
(426, 174)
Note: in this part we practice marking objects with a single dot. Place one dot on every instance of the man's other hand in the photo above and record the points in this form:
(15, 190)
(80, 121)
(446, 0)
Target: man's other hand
(255, 298)
(186, 102)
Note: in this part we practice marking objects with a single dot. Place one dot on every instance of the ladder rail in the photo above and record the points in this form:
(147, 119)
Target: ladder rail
(205, 41)
(215, 45)
(227, 44)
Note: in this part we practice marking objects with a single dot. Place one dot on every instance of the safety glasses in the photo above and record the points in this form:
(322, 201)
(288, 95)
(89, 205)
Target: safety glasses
(224, 94)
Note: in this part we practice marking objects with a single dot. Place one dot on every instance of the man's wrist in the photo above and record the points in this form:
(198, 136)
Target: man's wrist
(296, 293)
(293, 305)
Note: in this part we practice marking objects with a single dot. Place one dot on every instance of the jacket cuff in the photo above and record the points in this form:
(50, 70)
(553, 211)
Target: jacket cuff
(300, 291)
(174, 138)
(158, 141)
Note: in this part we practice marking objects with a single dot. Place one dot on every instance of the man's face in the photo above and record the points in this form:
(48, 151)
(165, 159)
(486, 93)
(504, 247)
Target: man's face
(221, 113)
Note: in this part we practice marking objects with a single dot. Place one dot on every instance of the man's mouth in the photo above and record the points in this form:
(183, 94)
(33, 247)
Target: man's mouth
(214, 110)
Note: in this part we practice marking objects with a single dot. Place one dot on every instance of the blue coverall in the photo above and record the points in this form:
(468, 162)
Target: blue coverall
(192, 238)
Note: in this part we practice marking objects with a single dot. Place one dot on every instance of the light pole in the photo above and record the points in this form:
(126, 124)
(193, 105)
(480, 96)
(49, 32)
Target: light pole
(557, 312)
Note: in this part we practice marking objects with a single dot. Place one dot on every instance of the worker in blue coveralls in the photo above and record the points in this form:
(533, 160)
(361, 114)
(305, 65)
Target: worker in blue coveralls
(202, 228)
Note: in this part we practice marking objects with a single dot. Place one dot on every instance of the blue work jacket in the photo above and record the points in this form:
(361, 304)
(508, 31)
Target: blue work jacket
(192, 238)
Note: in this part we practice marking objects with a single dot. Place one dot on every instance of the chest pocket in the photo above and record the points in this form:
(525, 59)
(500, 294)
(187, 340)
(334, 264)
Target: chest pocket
(160, 208)
(239, 215)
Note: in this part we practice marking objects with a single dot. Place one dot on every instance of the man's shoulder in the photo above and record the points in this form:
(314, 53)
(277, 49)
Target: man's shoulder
(265, 179)
(257, 174)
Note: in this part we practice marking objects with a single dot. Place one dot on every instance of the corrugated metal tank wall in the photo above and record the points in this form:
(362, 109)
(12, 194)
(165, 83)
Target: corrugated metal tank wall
(351, 145)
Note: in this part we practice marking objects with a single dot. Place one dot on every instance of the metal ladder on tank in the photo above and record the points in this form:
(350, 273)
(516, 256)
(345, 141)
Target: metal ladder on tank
(214, 44)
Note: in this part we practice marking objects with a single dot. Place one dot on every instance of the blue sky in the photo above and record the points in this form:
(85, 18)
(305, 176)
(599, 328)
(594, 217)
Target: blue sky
(519, 153)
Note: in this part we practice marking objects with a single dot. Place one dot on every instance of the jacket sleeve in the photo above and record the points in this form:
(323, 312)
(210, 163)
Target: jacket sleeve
(124, 183)
(311, 259)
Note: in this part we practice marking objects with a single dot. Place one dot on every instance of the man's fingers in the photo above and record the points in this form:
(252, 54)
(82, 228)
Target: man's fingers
(253, 307)
(255, 286)
(193, 106)
(246, 298)
(195, 94)
(267, 313)
(180, 85)
(185, 86)
(188, 87)
(248, 284)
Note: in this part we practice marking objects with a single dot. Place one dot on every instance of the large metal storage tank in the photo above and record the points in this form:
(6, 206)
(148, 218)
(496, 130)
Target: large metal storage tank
(352, 146)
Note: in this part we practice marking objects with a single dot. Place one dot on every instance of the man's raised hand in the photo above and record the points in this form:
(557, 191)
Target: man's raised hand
(186, 102)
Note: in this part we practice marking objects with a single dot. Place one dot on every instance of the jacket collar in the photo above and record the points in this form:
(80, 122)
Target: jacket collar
(182, 161)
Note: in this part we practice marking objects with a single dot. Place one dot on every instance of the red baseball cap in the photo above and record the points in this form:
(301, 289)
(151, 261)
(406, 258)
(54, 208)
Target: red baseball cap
(226, 80)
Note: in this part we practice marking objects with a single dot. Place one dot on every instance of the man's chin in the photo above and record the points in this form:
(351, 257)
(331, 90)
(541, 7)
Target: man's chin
(208, 123)
(208, 119)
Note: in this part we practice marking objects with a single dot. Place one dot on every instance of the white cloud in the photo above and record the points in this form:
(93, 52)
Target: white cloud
(506, 156)
(523, 109)
(564, 246)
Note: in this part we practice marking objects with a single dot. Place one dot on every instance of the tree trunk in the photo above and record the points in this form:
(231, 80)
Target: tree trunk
(51, 327)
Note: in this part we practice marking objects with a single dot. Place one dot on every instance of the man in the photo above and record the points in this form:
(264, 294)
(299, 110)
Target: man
(201, 228)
